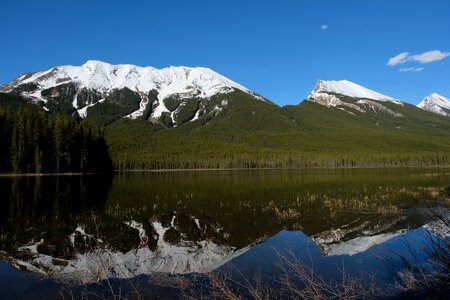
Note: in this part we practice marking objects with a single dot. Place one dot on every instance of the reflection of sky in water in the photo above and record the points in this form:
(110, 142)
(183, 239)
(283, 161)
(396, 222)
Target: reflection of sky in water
(264, 258)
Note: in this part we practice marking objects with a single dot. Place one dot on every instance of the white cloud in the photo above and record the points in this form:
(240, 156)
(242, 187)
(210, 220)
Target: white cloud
(411, 69)
(430, 56)
(323, 27)
(398, 59)
(424, 58)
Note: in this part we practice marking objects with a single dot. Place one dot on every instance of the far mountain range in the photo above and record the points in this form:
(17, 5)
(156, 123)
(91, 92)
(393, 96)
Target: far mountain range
(181, 117)
(164, 92)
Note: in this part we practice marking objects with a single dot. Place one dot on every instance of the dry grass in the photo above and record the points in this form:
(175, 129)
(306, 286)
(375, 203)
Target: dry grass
(298, 281)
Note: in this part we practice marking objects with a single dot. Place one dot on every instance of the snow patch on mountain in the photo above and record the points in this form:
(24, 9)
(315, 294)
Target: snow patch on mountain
(94, 75)
(436, 103)
(332, 93)
(378, 107)
(349, 89)
(82, 112)
(101, 76)
(331, 100)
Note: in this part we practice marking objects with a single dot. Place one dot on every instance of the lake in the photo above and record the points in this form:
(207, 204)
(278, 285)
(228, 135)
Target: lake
(160, 234)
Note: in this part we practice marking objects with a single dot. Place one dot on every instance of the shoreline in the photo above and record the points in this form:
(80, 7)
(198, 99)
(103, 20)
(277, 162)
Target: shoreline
(251, 169)
(215, 169)
(45, 174)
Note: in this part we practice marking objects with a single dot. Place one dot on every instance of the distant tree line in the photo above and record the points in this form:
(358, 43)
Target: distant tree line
(227, 160)
(32, 142)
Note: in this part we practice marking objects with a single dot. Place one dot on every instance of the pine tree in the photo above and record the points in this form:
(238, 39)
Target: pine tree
(18, 144)
(32, 142)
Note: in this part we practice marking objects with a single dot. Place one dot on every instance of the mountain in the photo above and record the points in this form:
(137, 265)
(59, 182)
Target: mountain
(351, 97)
(437, 104)
(257, 134)
(170, 96)
(181, 118)
(347, 88)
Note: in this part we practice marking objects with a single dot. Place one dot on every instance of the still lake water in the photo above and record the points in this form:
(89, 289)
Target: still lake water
(148, 231)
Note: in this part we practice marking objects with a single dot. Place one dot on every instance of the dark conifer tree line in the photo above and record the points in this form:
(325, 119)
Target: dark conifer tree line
(32, 142)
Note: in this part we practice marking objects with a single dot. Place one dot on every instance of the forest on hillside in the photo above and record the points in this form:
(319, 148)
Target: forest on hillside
(255, 134)
(247, 134)
(179, 149)
(32, 142)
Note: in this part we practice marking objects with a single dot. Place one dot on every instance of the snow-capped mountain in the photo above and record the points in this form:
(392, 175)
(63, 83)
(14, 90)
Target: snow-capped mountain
(437, 104)
(332, 93)
(103, 77)
(93, 82)
(347, 88)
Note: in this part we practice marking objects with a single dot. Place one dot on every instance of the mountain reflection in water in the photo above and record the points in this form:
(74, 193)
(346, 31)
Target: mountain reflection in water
(89, 228)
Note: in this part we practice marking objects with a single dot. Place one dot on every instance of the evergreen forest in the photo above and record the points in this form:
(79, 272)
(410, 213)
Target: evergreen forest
(244, 133)
(33, 142)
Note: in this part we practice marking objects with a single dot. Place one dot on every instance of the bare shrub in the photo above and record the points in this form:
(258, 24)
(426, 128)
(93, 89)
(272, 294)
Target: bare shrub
(431, 279)
(298, 281)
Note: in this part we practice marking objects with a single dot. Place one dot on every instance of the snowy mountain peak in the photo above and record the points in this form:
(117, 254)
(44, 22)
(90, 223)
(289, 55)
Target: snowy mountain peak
(95, 62)
(347, 88)
(436, 103)
(100, 79)
(103, 76)
(334, 93)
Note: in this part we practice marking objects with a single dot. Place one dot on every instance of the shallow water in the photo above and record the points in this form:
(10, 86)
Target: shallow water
(66, 233)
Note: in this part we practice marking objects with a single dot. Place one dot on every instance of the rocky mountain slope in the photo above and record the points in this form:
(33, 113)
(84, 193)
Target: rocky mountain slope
(437, 104)
(351, 97)
(170, 96)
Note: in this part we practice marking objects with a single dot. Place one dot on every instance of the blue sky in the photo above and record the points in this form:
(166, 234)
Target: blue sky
(276, 48)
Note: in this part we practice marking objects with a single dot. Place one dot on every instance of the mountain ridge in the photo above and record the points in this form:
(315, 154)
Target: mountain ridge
(348, 88)
(95, 79)
(436, 103)
(84, 86)
(352, 98)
